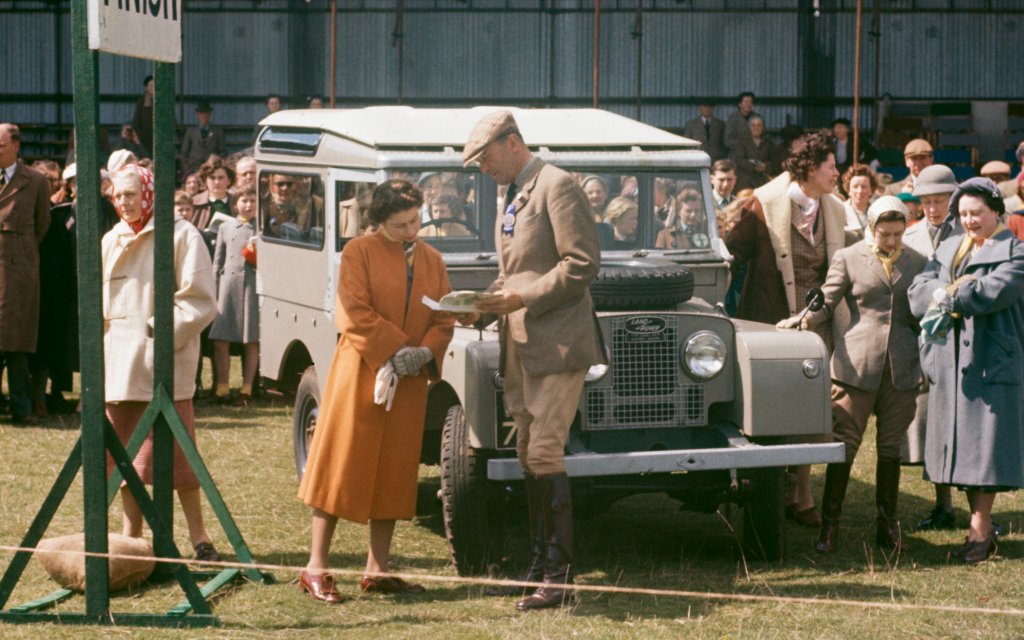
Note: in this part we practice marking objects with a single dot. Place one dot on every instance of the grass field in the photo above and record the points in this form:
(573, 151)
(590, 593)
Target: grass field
(644, 541)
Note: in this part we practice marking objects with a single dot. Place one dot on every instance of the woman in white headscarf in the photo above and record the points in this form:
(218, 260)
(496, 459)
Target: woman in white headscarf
(875, 366)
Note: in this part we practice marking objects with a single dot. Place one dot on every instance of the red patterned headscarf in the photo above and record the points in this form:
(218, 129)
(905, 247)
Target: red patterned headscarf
(146, 194)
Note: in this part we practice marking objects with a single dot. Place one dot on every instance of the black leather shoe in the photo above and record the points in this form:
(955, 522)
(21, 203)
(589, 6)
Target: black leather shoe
(976, 552)
(939, 519)
(206, 552)
(547, 597)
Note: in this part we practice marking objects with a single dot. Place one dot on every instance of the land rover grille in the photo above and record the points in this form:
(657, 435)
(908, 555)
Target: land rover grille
(648, 386)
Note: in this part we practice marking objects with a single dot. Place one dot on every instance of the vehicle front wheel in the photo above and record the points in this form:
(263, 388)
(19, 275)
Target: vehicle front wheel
(764, 515)
(464, 498)
(307, 409)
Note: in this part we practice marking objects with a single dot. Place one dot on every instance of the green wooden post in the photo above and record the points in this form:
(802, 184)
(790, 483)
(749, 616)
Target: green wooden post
(90, 310)
(163, 292)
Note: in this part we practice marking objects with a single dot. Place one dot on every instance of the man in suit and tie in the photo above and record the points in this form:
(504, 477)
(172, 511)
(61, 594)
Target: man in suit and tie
(24, 220)
(709, 131)
(201, 141)
(723, 182)
(548, 255)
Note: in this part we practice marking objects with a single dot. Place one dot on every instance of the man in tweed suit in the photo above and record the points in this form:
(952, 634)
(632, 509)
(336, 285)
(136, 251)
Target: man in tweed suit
(548, 255)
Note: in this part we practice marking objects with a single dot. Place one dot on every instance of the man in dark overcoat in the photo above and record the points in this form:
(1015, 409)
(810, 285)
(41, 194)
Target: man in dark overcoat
(24, 220)
(201, 141)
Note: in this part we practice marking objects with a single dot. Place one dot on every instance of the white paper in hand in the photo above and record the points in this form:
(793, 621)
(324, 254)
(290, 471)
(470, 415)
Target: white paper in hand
(384, 388)
(458, 301)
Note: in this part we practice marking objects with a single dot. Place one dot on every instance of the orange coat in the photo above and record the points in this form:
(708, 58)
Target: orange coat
(364, 461)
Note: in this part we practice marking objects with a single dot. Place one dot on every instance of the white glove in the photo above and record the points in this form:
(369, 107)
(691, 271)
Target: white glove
(384, 387)
(409, 360)
(791, 323)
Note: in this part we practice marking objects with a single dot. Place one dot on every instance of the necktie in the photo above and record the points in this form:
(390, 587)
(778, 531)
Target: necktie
(707, 131)
(508, 222)
(3, 178)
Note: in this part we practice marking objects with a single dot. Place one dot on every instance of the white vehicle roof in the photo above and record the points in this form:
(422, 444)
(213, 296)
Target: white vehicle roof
(401, 127)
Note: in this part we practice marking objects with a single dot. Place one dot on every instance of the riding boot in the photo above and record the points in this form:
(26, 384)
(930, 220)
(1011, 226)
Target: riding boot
(887, 490)
(837, 476)
(535, 567)
(556, 493)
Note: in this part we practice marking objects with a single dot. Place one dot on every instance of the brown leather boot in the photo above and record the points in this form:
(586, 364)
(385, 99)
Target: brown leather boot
(887, 491)
(535, 568)
(556, 493)
(837, 476)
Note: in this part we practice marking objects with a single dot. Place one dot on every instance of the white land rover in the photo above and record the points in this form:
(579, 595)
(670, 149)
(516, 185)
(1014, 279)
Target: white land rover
(693, 404)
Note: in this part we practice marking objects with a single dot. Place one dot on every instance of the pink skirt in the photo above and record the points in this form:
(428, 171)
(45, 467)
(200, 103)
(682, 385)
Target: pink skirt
(125, 416)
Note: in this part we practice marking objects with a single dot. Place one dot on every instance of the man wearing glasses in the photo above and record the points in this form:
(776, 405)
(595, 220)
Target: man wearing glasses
(291, 209)
(129, 141)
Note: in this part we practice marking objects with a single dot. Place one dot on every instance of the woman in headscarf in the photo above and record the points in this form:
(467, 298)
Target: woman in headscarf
(970, 298)
(364, 458)
(597, 195)
(128, 307)
(875, 367)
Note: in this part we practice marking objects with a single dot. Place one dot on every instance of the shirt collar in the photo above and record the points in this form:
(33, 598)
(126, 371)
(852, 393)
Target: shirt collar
(9, 171)
(527, 170)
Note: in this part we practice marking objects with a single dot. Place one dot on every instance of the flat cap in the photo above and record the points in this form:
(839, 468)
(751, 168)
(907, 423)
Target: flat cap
(938, 178)
(995, 167)
(917, 147)
(490, 128)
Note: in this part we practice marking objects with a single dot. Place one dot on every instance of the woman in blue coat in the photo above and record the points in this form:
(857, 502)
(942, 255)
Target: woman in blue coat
(975, 437)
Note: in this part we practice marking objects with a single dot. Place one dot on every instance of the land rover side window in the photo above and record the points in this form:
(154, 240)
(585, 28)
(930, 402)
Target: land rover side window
(292, 209)
(353, 204)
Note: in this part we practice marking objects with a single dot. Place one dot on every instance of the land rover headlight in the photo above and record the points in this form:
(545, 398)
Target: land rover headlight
(595, 373)
(704, 355)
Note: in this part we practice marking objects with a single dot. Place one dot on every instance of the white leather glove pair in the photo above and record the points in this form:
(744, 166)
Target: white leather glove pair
(409, 360)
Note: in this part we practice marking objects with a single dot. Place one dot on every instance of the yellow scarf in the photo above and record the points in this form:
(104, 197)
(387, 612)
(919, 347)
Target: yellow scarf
(966, 248)
(887, 259)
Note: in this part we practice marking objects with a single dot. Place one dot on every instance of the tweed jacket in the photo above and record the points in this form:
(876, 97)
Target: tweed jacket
(24, 221)
(762, 239)
(918, 238)
(128, 309)
(550, 260)
(975, 414)
(713, 145)
(195, 151)
(881, 326)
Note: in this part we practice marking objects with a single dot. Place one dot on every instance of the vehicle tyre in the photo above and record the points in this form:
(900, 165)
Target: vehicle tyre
(307, 409)
(641, 284)
(464, 498)
(764, 515)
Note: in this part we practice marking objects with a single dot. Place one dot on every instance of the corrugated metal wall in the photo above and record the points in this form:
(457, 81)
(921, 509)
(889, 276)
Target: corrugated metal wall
(529, 57)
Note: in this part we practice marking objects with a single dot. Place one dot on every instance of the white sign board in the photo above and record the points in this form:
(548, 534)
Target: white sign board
(149, 29)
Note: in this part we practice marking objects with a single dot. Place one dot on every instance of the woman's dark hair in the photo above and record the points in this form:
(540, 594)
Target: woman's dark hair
(392, 197)
(211, 165)
(808, 153)
(892, 216)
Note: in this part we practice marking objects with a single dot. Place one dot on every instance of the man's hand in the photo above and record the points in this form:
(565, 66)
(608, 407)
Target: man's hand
(502, 302)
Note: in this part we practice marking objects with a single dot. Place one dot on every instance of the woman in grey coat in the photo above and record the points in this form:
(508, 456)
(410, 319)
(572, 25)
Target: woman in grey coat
(234, 270)
(975, 434)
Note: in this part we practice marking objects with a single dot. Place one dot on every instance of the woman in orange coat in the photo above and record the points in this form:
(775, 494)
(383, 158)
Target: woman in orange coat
(364, 458)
